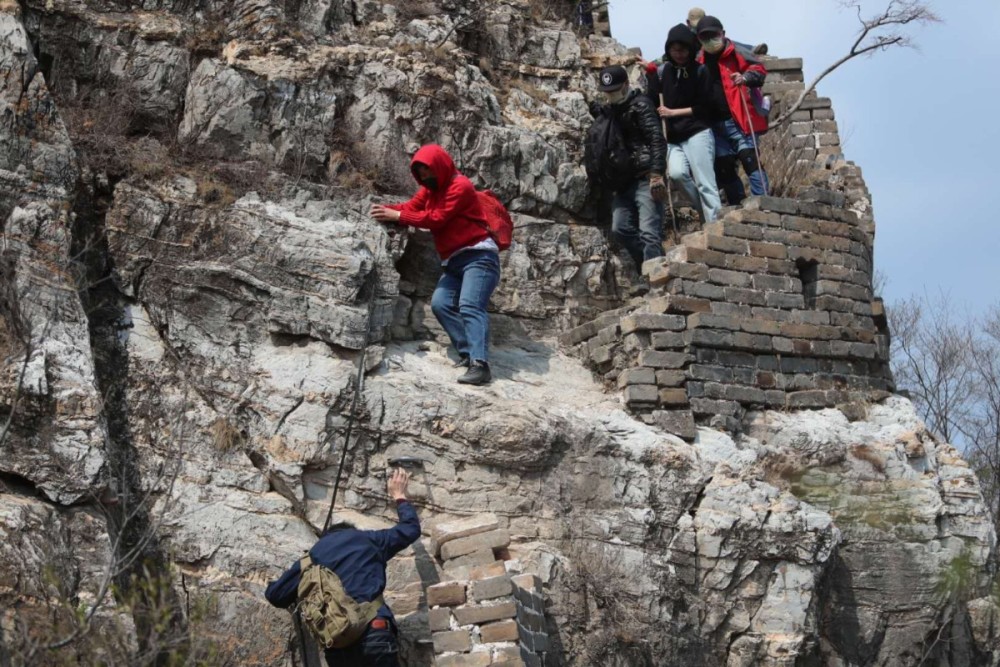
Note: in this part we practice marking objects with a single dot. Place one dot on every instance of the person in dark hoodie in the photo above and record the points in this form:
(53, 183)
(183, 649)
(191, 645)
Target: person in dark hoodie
(681, 89)
(447, 205)
(733, 71)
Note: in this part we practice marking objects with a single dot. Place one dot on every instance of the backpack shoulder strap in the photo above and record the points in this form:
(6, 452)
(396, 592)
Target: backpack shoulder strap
(370, 609)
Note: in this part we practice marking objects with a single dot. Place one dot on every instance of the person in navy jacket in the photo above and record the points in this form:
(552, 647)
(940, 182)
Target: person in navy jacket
(359, 558)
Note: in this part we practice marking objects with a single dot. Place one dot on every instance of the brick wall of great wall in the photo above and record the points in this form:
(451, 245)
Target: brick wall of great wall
(483, 612)
(771, 306)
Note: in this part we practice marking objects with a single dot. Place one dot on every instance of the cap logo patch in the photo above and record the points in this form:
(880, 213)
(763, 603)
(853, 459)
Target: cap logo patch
(607, 79)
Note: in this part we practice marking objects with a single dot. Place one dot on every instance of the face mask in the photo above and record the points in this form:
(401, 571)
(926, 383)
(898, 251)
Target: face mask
(616, 96)
(713, 46)
(431, 182)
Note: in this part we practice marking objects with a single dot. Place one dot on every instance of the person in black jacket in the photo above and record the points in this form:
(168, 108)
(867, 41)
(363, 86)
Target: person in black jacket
(683, 93)
(637, 217)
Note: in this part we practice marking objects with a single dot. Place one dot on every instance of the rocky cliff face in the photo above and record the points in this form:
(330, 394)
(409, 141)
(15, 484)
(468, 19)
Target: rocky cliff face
(189, 278)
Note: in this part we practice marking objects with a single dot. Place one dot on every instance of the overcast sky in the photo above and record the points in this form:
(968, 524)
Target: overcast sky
(921, 124)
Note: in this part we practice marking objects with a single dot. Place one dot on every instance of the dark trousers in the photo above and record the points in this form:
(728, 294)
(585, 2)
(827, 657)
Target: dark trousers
(376, 648)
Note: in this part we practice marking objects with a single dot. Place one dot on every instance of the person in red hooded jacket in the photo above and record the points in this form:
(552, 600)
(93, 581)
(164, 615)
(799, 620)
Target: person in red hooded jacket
(447, 205)
(733, 71)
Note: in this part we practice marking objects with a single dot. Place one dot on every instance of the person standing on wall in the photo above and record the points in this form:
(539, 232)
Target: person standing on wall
(733, 71)
(686, 93)
(638, 186)
(448, 206)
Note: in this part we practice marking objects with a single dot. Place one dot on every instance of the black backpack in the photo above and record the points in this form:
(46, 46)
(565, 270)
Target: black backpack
(606, 156)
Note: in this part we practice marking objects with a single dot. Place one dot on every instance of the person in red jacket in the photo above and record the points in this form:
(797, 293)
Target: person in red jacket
(447, 205)
(733, 71)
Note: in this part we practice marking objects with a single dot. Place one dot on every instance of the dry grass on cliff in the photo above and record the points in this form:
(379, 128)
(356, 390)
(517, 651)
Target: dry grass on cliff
(786, 170)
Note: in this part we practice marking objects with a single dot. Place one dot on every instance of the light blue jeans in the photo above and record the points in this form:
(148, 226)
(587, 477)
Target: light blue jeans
(637, 221)
(691, 165)
(461, 297)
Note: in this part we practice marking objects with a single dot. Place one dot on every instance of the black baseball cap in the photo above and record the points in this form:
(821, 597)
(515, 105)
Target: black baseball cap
(612, 78)
(710, 24)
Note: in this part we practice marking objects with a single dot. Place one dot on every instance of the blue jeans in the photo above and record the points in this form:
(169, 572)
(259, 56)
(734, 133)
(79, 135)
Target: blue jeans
(637, 221)
(461, 297)
(691, 164)
(376, 648)
(731, 143)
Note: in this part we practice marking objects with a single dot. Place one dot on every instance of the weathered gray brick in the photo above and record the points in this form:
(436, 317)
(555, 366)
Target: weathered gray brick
(712, 321)
(678, 422)
(455, 640)
(488, 589)
(707, 406)
(670, 378)
(784, 300)
(665, 340)
(709, 337)
(744, 295)
(440, 619)
(652, 322)
(662, 359)
(632, 376)
(475, 614)
(732, 278)
(465, 545)
(639, 394)
(710, 373)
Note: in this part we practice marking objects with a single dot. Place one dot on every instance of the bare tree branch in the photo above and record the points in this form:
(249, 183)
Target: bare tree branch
(878, 33)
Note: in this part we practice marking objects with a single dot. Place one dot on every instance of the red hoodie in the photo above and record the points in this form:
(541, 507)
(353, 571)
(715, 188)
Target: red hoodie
(733, 60)
(452, 212)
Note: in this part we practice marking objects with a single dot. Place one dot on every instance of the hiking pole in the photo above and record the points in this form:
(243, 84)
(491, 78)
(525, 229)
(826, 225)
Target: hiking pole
(753, 138)
(358, 388)
(670, 196)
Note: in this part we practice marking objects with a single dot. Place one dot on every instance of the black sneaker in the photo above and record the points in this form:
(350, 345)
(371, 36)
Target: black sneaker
(478, 373)
(463, 362)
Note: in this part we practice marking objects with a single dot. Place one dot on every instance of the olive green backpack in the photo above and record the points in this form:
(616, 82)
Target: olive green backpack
(333, 617)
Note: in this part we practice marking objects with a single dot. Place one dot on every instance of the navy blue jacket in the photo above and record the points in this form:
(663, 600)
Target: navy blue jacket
(358, 557)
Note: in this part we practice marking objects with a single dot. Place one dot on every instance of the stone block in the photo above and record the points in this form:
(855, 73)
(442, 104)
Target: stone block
(652, 322)
(475, 614)
(663, 359)
(494, 569)
(703, 290)
(709, 338)
(776, 283)
(602, 355)
(823, 114)
(731, 278)
(783, 64)
(726, 244)
(449, 594)
(678, 304)
(710, 373)
(696, 256)
(749, 264)
(766, 327)
(489, 589)
(439, 619)
(678, 422)
(708, 406)
(494, 539)
(744, 295)
(712, 321)
(447, 531)
(641, 394)
(507, 655)
(784, 300)
(746, 395)
(808, 399)
(633, 376)
(811, 103)
(670, 378)
(501, 631)
(673, 397)
(477, 659)
(732, 310)
(453, 640)
(772, 204)
(666, 340)
(465, 563)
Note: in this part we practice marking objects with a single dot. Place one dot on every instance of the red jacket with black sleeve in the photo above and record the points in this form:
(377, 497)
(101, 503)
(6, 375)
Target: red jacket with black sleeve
(451, 211)
(734, 60)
